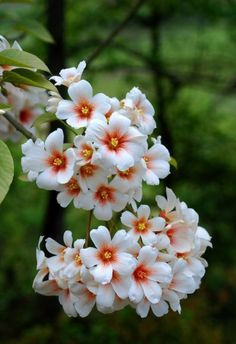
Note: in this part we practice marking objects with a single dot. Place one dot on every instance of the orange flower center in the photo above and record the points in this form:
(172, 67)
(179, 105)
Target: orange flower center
(141, 273)
(84, 110)
(114, 142)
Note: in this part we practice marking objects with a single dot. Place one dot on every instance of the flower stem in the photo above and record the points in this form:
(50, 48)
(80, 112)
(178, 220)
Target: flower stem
(88, 228)
(19, 126)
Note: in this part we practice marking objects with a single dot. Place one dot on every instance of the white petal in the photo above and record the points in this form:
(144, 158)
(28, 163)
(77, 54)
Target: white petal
(89, 256)
(68, 239)
(100, 236)
(143, 211)
(54, 141)
(102, 273)
(105, 295)
(128, 219)
(152, 291)
(136, 292)
(125, 263)
(147, 255)
(53, 246)
(81, 90)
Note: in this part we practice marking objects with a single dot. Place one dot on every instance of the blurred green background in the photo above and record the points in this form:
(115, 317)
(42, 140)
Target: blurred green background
(182, 56)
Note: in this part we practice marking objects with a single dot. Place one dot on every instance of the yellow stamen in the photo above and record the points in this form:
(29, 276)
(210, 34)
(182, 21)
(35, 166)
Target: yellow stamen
(141, 226)
(78, 259)
(107, 255)
(87, 153)
(85, 110)
(104, 195)
(57, 162)
(114, 142)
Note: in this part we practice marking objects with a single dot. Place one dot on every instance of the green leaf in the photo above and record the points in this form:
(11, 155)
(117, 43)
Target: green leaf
(4, 107)
(19, 58)
(173, 162)
(6, 170)
(35, 29)
(16, 1)
(46, 117)
(20, 76)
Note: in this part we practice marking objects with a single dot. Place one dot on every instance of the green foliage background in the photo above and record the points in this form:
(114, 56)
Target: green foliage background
(197, 73)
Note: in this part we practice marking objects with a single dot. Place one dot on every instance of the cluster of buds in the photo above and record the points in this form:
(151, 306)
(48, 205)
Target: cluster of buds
(154, 263)
(26, 103)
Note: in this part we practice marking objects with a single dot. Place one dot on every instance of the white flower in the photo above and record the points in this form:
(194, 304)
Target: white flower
(53, 101)
(4, 44)
(55, 165)
(140, 111)
(146, 276)
(119, 144)
(107, 198)
(69, 75)
(84, 107)
(108, 256)
(142, 226)
(156, 161)
(159, 309)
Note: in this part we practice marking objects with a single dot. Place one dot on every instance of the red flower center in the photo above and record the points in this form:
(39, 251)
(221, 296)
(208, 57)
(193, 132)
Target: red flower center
(88, 170)
(141, 225)
(25, 116)
(141, 273)
(73, 187)
(57, 161)
(107, 255)
(105, 194)
(84, 110)
(114, 140)
(127, 174)
(86, 152)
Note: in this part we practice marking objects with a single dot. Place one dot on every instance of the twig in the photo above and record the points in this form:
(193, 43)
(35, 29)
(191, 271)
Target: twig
(19, 126)
(88, 228)
(115, 32)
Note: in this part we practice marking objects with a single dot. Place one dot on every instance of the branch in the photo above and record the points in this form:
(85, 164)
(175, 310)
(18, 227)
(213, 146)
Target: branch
(115, 32)
(19, 126)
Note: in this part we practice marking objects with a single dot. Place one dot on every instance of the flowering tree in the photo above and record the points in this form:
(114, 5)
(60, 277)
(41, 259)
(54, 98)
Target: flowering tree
(153, 261)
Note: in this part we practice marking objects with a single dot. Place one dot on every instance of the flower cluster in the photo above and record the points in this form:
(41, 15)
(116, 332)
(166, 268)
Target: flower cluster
(26, 102)
(155, 261)
(153, 264)
(109, 159)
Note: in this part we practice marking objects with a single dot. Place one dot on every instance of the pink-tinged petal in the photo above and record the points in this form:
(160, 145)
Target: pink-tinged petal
(48, 288)
(54, 141)
(53, 246)
(100, 236)
(142, 308)
(103, 212)
(161, 272)
(105, 295)
(80, 91)
(136, 292)
(79, 243)
(67, 304)
(157, 224)
(149, 238)
(147, 255)
(64, 199)
(65, 109)
(125, 263)
(102, 273)
(159, 309)
(68, 239)
(77, 122)
(143, 211)
(121, 285)
(152, 291)
(128, 219)
(47, 180)
(84, 305)
(89, 256)
(68, 72)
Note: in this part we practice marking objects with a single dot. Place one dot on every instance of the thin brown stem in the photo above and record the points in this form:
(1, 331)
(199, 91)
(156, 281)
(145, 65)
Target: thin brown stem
(19, 126)
(88, 228)
(115, 32)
